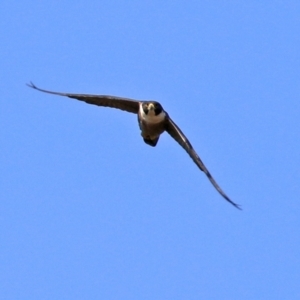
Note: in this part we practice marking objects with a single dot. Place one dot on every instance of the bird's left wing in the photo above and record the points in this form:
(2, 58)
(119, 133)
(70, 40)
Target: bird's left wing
(126, 104)
(178, 135)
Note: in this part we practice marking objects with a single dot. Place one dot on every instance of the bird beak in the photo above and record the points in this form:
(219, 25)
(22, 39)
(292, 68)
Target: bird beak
(151, 106)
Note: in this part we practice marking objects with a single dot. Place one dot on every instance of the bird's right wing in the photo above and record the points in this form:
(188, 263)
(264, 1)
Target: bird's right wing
(126, 104)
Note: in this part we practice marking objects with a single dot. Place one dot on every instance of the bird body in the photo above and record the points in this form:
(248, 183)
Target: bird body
(153, 120)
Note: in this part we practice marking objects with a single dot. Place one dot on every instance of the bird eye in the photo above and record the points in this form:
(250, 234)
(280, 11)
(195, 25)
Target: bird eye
(145, 109)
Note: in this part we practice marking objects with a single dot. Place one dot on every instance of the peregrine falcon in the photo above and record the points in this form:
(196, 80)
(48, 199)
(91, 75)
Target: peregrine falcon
(153, 120)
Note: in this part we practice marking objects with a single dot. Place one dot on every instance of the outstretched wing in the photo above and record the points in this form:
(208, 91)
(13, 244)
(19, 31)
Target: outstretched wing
(100, 100)
(178, 135)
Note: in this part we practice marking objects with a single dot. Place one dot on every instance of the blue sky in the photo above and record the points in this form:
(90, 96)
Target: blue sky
(89, 211)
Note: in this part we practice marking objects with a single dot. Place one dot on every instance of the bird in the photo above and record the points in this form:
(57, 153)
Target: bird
(153, 120)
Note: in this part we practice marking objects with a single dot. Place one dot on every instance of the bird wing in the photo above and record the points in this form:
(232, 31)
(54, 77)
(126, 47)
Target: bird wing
(178, 136)
(126, 104)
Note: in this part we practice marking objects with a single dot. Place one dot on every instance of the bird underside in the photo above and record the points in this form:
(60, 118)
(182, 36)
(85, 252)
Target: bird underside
(152, 120)
(151, 141)
(151, 132)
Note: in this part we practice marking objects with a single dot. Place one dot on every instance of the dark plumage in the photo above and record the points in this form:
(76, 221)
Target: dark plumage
(153, 121)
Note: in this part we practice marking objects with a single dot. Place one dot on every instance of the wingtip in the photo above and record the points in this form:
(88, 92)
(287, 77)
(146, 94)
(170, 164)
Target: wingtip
(233, 203)
(238, 206)
(229, 200)
(31, 84)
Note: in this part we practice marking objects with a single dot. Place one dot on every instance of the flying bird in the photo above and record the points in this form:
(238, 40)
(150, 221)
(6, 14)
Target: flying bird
(153, 120)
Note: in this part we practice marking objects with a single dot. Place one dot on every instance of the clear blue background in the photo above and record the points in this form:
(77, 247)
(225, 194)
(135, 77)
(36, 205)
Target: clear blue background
(89, 211)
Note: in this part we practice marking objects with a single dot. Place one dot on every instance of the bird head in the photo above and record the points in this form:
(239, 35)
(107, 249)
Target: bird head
(152, 108)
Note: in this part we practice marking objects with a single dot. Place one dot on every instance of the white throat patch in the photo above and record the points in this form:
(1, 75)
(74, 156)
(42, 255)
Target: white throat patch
(151, 117)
